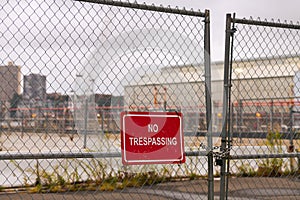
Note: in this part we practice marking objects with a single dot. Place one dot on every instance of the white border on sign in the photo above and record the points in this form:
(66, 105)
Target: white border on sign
(153, 161)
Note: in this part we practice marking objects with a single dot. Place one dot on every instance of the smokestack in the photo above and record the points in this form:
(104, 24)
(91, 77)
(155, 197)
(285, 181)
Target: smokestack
(155, 96)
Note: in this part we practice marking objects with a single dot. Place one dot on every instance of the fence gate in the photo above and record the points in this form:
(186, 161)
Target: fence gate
(68, 71)
(262, 106)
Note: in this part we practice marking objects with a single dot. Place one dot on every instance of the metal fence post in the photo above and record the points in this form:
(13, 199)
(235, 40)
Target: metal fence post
(226, 101)
(208, 105)
(85, 122)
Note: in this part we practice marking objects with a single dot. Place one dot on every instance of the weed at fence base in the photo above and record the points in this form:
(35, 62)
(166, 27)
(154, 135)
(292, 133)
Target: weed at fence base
(270, 167)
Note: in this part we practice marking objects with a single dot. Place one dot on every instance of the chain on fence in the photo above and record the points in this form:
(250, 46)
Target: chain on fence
(264, 108)
(68, 70)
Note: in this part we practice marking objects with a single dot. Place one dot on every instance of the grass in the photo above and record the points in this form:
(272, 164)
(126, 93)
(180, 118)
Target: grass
(269, 167)
(68, 176)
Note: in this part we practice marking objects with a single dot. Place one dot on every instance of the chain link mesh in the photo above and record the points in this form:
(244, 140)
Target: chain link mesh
(264, 116)
(67, 71)
(69, 68)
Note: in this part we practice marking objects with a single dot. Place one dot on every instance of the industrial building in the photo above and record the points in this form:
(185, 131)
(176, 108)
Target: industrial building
(262, 90)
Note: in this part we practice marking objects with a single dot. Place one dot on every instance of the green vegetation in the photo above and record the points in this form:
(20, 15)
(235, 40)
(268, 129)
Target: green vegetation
(246, 170)
(269, 167)
(95, 174)
(1, 188)
(272, 166)
(78, 175)
(191, 170)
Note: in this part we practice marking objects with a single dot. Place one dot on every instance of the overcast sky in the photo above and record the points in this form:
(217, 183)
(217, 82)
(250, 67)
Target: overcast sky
(42, 35)
(263, 9)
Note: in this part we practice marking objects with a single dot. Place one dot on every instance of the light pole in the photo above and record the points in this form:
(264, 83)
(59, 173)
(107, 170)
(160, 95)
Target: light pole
(291, 146)
(73, 106)
(165, 98)
(85, 104)
(88, 96)
(238, 71)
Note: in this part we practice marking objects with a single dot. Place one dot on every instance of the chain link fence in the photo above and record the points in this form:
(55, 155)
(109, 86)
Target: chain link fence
(68, 70)
(71, 69)
(263, 63)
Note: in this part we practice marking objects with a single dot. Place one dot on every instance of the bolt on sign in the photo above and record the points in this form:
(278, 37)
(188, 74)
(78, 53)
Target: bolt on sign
(152, 138)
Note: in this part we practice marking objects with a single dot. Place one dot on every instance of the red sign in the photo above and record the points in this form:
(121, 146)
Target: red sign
(152, 138)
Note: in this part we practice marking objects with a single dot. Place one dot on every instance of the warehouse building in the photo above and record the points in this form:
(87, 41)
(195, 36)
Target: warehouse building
(263, 88)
